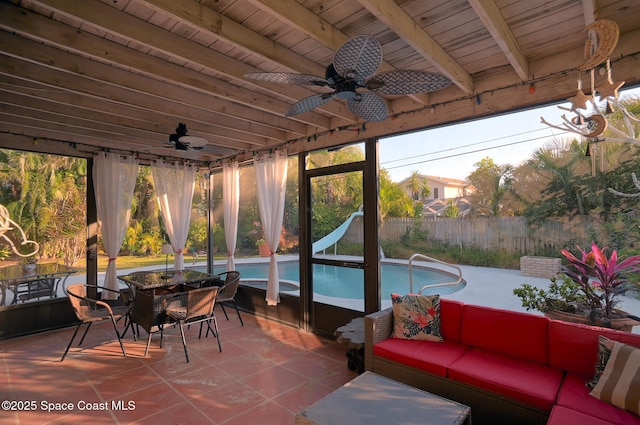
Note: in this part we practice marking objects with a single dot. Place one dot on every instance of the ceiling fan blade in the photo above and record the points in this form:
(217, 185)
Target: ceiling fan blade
(358, 58)
(193, 141)
(308, 103)
(407, 82)
(288, 78)
(368, 106)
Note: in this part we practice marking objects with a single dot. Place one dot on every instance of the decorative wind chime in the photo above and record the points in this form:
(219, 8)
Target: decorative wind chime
(6, 224)
(589, 118)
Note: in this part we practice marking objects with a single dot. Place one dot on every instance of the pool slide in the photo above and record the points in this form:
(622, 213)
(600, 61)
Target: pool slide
(333, 237)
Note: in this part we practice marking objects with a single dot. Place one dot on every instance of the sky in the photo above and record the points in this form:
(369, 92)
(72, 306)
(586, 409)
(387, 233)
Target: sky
(453, 150)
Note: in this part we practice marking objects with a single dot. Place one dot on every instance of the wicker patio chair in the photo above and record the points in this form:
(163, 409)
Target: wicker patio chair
(198, 309)
(88, 312)
(227, 292)
(148, 311)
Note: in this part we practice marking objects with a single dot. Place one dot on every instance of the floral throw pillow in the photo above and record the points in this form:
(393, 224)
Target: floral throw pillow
(605, 345)
(416, 317)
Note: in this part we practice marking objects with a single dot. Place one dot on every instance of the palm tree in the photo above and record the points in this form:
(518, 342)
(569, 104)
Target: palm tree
(425, 190)
(394, 201)
(414, 184)
(451, 210)
(492, 183)
(568, 184)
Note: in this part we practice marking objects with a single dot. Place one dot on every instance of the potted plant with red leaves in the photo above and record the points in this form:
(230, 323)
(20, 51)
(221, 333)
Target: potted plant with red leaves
(587, 290)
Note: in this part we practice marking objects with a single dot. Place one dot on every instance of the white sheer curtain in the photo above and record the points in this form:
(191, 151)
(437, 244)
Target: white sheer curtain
(174, 184)
(114, 178)
(271, 178)
(231, 198)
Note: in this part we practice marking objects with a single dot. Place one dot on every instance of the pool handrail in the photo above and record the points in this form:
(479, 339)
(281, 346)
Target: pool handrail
(424, 257)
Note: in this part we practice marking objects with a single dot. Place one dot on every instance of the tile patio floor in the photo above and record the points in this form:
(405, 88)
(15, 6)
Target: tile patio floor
(266, 373)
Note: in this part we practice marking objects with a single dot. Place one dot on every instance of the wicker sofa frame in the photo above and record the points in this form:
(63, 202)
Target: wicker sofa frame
(486, 407)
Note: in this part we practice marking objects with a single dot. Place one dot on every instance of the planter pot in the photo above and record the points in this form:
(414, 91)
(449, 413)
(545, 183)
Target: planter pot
(29, 268)
(621, 324)
(264, 250)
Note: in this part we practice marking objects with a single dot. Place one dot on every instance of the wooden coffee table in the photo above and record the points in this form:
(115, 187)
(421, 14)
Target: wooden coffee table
(372, 399)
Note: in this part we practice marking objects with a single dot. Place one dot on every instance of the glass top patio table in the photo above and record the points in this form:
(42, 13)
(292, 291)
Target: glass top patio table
(145, 280)
(372, 399)
(13, 276)
(19, 273)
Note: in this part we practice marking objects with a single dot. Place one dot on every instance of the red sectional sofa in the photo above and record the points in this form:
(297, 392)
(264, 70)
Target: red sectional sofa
(509, 367)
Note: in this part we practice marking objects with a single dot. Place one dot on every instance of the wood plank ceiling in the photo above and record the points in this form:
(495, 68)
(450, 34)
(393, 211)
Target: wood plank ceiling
(79, 76)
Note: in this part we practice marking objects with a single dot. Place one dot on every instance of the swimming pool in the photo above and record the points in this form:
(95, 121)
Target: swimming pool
(342, 282)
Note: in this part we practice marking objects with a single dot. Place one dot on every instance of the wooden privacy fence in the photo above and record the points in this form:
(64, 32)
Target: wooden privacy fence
(509, 233)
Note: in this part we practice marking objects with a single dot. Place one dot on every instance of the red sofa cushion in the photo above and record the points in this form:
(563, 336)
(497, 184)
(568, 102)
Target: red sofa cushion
(574, 347)
(574, 394)
(564, 416)
(450, 319)
(531, 383)
(516, 334)
(430, 356)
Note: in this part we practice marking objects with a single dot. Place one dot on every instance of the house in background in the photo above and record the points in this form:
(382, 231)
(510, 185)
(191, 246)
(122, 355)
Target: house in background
(442, 191)
(440, 187)
(438, 207)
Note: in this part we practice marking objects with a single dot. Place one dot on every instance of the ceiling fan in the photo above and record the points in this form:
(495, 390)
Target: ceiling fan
(354, 64)
(194, 147)
(182, 141)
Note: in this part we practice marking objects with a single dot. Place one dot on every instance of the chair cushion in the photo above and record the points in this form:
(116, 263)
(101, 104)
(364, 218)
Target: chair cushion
(512, 333)
(450, 319)
(531, 383)
(619, 383)
(574, 394)
(430, 356)
(574, 347)
(416, 317)
(561, 415)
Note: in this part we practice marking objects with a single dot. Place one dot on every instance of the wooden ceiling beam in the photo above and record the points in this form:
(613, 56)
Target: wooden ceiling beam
(153, 93)
(38, 27)
(143, 123)
(193, 13)
(490, 15)
(402, 24)
(118, 96)
(590, 9)
(111, 20)
(33, 138)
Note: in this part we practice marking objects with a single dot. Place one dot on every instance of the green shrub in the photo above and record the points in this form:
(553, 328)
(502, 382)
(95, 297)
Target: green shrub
(472, 255)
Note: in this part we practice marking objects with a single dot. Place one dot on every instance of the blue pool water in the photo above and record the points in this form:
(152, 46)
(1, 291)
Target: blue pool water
(344, 282)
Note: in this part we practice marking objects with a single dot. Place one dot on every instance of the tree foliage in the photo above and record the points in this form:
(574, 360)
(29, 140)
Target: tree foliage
(563, 182)
(491, 182)
(418, 186)
(45, 195)
(394, 201)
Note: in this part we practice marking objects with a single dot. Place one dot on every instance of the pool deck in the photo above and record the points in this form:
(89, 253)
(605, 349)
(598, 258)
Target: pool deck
(485, 286)
(493, 287)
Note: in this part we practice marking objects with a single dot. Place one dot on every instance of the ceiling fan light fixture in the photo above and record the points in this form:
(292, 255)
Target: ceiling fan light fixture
(347, 95)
